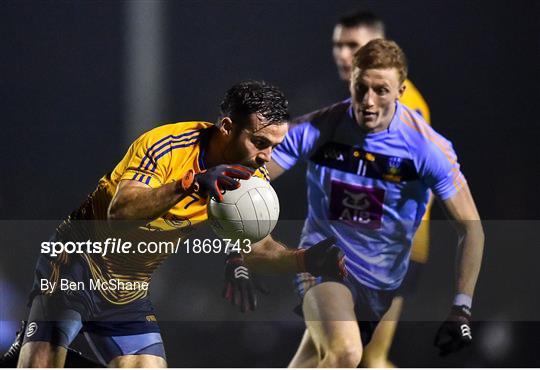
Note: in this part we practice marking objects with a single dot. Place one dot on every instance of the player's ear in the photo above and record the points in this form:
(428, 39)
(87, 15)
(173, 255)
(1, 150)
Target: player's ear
(226, 126)
(402, 89)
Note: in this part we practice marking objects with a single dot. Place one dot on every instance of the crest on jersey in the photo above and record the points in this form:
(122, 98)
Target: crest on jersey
(394, 162)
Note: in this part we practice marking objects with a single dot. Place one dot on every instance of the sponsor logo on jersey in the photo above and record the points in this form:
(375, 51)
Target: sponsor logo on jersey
(356, 205)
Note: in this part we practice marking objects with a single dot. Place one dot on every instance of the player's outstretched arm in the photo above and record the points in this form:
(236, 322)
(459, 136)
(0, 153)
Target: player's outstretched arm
(462, 209)
(455, 333)
(136, 201)
(271, 257)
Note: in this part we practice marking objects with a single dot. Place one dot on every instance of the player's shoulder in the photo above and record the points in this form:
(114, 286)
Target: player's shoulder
(419, 136)
(179, 128)
(324, 116)
(190, 130)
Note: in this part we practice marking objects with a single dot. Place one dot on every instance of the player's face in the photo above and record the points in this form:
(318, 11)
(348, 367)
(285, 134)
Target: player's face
(252, 144)
(346, 41)
(374, 94)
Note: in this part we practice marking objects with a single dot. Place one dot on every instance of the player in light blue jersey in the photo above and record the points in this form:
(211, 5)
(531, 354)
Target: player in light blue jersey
(371, 164)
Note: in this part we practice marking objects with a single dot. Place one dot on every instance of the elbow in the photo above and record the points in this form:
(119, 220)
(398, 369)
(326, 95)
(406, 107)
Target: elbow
(472, 229)
(481, 233)
(115, 213)
(113, 216)
(478, 230)
(119, 219)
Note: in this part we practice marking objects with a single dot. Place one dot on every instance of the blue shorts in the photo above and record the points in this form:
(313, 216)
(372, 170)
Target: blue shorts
(370, 305)
(111, 329)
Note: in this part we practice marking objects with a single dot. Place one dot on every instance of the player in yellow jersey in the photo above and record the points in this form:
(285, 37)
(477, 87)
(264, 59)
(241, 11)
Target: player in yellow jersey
(158, 190)
(351, 33)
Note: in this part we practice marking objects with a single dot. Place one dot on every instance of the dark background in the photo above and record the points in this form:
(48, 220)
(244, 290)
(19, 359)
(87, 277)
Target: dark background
(64, 86)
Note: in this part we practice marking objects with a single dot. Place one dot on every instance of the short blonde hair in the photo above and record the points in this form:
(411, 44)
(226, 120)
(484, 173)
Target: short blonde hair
(382, 54)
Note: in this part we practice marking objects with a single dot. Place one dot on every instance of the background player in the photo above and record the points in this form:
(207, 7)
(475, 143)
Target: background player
(371, 163)
(353, 31)
(162, 184)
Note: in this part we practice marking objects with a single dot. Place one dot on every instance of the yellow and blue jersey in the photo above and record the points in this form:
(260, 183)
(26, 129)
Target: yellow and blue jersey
(158, 157)
(161, 156)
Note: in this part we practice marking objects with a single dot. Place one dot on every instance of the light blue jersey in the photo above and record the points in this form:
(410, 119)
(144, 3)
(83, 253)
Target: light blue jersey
(370, 191)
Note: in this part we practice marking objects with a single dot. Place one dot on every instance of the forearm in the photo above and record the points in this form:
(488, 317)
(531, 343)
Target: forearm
(145, 204)
(270, 257)
(470, 251)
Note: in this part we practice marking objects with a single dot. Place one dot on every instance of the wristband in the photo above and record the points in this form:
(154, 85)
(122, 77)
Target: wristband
(463, 300)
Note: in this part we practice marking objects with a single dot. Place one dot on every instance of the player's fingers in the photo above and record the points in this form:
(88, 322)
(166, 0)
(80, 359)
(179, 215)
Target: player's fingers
(443, 343)
(252, 298)
(238, 172)
(260, 286)
(238, 295)
(243, 297)
(334, 256)
(227, 291)
(326, 243)
(241, 168)
(335, 253)
(228, 183)
(439, 337)
(450, 347)
(215, 193)
(234, 295)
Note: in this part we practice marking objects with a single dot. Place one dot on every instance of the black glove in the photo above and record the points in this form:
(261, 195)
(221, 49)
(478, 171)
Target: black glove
(455, 332)
(223, 177)
(324, 258)
(239, 288)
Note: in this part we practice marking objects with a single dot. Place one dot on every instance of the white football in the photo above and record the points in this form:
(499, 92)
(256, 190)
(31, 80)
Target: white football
(249, 212)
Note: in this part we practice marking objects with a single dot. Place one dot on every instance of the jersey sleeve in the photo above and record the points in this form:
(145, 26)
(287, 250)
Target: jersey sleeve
(440, 168)
(147, 161)
(297, 145)
(262, 173)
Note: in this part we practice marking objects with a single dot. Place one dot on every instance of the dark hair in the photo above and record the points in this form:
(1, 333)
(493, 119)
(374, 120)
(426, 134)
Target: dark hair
(248, 97)
(362, 18)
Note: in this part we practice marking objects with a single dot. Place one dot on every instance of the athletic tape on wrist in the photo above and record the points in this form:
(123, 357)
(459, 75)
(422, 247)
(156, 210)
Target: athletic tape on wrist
(463, 300)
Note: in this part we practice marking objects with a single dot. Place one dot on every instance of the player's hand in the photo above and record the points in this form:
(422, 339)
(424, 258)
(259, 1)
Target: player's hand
(455, 332)
(239, 287)
(223, 177)
(324, 258)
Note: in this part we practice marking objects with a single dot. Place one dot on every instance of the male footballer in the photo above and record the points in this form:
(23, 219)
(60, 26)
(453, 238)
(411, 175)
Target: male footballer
(372, 163)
